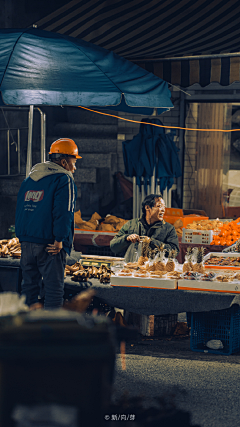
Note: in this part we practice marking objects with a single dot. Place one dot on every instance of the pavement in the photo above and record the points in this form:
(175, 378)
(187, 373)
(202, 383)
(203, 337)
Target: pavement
(175, 347)
(205, 385)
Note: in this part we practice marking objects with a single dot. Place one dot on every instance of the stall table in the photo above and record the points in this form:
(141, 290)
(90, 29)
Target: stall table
(10, 275)
(145, 301)
(149, 301)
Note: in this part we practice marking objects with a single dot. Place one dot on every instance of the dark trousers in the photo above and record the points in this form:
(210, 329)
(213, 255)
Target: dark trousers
(37, 265)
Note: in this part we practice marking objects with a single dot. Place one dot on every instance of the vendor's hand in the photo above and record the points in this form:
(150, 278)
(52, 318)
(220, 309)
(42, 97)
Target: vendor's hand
(55, 248)
(133, 238)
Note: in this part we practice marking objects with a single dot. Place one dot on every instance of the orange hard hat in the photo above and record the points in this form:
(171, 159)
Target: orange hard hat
(65, 146)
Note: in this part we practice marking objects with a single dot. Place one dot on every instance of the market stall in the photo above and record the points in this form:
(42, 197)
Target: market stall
(207, 286)
(151, 301)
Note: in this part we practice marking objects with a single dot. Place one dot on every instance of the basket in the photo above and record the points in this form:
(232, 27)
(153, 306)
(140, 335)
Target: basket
(223, 325)
(201, 237)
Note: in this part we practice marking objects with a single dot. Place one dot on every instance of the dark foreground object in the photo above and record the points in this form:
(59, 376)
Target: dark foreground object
(59, 358)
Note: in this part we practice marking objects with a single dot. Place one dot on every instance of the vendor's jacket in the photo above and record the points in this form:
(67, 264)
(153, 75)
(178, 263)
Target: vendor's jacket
(160, 232)
(45, 206)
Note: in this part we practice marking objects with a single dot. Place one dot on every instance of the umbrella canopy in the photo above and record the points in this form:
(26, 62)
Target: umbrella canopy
(43, 68)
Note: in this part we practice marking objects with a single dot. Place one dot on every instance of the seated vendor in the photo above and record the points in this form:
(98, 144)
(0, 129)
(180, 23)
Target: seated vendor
(151, 224)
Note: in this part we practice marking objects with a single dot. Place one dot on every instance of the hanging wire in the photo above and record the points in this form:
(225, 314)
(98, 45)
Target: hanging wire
(160, 126)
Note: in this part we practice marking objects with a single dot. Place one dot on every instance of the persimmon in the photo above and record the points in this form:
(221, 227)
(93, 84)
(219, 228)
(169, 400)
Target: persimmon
(223, 242)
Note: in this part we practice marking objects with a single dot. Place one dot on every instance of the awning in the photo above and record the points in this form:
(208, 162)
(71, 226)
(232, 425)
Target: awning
(150, 30)
(186, 72)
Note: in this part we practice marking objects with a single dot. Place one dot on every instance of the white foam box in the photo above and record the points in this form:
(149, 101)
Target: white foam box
(199, 237)
(143, 282)
(209, 286)
(221, 267)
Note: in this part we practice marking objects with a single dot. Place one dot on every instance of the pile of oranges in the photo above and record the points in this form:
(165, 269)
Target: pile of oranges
(229, 233)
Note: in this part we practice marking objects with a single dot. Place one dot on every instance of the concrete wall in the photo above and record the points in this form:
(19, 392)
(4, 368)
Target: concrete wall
(190, 157)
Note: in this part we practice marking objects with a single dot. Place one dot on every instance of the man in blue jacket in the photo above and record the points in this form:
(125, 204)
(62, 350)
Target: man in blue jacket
(45, 223)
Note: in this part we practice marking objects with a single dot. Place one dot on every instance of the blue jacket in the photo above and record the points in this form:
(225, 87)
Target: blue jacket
(45, 206)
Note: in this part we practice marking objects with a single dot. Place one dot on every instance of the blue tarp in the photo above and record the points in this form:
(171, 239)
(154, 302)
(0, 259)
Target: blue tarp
(43, 68)
(152, 148)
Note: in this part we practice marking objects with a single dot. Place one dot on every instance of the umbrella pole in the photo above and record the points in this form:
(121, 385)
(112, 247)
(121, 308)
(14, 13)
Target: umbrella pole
(170, 197)
(165, 197)
(134, 197)
(153, 181)
(148, 187)
(138, 201)
(43, 135)
(158, 191)
(29, 147)
(142, 188)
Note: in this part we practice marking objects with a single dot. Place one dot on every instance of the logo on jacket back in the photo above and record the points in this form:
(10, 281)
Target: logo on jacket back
(35, 196)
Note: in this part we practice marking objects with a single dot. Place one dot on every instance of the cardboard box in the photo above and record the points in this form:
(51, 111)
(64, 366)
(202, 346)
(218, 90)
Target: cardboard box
(209, 286)
(143, 282)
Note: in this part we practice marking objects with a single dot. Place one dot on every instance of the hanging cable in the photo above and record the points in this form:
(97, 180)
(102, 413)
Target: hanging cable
(160, 126)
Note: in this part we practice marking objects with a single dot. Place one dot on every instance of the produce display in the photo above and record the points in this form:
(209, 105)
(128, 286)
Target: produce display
(208, 276)
(225, 232)
(209, 224)
(223, 261)
(160, 264)
(96, 222)
(79, 273)
(229, 233)
(10, 247)
(152, 263)
(204, 224)
(194, 260)
(227, 277)
(191, 275)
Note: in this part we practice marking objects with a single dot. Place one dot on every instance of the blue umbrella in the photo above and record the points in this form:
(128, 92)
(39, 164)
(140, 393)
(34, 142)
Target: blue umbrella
(149, 149)
(43, 68)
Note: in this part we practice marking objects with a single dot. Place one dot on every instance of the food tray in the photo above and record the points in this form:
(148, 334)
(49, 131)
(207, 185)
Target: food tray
(210, 286)
(143, 282)
(199, 237)
(223, 325)
(98, 260)
(224, 255)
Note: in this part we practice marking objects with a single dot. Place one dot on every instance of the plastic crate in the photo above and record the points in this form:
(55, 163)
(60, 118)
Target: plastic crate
(201, 237)
(223, 325)
(173, 214)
